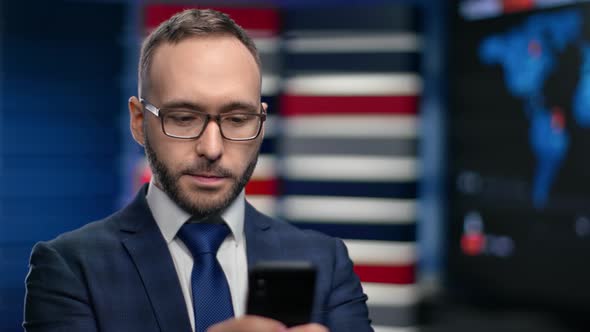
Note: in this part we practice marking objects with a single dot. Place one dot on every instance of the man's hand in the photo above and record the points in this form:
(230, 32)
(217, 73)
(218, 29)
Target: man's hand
(261, 324)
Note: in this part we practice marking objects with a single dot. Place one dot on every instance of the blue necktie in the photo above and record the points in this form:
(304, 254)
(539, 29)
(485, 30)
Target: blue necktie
(211, 297)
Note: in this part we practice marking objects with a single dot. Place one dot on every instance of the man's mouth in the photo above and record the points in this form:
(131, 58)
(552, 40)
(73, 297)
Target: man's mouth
(208, 175)
(207, 179)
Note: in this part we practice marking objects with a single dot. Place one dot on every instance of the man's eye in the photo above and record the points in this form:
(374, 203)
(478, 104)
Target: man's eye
(237, 119)
(183, 118)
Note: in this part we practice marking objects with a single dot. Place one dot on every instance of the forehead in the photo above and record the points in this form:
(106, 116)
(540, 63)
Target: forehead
(210, 69)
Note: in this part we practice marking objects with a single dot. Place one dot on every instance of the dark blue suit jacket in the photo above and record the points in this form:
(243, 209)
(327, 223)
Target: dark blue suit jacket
(117, 275)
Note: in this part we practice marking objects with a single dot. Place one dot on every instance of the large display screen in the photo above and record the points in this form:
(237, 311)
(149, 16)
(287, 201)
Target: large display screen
(520, 156)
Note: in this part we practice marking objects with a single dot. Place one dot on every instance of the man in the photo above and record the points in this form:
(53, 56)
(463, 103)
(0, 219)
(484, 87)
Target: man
(201, 122)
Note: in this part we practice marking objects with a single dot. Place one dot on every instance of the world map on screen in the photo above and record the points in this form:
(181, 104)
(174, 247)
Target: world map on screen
(528, 54)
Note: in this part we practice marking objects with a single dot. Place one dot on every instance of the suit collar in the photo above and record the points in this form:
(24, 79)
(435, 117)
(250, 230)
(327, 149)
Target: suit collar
(150, 254)
(137, 215)
(262, 241)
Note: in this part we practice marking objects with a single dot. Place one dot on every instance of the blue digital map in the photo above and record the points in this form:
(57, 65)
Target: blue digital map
(528, 54)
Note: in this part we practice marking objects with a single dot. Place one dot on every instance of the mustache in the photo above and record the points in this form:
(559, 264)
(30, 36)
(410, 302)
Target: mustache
(208, 168)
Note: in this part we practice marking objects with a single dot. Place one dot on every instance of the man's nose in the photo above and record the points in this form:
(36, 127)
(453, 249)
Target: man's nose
(210, 144)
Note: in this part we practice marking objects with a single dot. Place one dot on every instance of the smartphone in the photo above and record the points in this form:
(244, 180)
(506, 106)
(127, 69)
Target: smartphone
(283, 291)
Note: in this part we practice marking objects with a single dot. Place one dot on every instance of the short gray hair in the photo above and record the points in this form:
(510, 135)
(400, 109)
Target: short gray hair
(185, 24)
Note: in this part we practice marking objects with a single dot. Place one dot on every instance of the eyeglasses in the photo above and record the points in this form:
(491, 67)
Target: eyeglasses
(190, 124)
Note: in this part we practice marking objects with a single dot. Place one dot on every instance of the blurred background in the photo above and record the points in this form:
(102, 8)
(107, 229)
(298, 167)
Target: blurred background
(444, 141)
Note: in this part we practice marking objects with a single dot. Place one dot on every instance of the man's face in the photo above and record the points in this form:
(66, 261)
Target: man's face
(214, 74)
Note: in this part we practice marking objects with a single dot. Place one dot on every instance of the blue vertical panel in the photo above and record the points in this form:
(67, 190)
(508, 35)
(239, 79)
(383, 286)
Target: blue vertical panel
(59, 135)
(130, 150)
(431, 230)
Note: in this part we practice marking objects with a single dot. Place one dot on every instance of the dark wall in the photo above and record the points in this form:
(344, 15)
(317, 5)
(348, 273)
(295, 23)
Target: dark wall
(59, 128)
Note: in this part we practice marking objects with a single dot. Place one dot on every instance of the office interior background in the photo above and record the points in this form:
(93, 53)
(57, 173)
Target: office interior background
(444, 141)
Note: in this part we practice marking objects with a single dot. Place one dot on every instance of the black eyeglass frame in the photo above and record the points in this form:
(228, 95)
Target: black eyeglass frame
(156, 111)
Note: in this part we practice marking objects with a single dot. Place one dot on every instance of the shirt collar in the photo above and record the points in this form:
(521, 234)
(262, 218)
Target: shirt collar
(170, 217)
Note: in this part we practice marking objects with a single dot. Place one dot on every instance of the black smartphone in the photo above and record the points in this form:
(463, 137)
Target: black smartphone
(282, 290)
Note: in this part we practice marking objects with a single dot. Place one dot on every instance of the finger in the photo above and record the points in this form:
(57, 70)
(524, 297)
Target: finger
(249, 324)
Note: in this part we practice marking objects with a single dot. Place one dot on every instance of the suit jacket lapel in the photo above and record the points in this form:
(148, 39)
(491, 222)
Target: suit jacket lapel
(262, 242)
(151, 256)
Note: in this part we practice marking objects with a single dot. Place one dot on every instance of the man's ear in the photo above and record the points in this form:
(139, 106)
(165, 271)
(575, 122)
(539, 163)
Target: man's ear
(265, 108)
(136, 120)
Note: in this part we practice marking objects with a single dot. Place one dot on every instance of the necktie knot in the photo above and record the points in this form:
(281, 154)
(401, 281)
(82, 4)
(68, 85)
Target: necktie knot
(202, 238)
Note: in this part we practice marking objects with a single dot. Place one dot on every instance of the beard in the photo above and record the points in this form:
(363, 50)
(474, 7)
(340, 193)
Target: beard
(199, 207)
